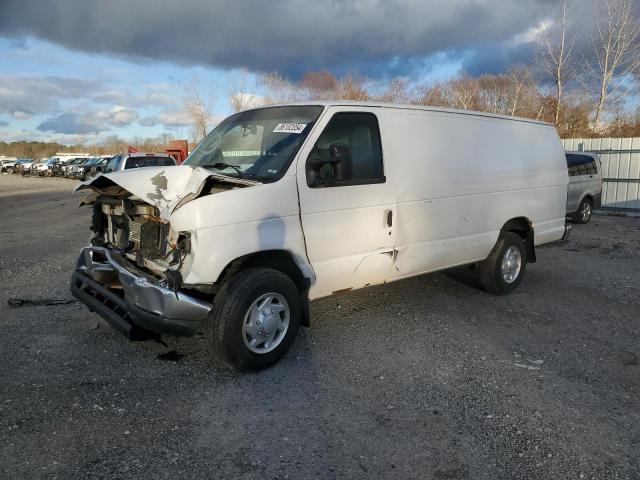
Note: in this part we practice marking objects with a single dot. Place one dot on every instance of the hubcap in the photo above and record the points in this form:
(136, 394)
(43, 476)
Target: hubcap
(266, 323)
(586, 211)
(511, 264)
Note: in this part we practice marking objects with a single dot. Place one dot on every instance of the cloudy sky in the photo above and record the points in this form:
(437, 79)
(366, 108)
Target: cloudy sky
(75, 70)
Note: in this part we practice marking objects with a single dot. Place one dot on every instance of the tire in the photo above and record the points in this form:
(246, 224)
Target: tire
(9, 170)
(584, 212)
(231, 315)
(491, 274)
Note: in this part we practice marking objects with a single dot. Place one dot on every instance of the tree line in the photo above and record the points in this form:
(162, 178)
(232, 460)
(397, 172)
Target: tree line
(110, 145)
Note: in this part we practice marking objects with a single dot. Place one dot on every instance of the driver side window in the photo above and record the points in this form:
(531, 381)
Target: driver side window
(348, 152)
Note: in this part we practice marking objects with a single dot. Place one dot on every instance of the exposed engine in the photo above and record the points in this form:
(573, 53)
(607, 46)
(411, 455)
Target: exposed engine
(135, 229)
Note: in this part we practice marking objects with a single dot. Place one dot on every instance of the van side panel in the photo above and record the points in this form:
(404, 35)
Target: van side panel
(241, 222)
(459, 178)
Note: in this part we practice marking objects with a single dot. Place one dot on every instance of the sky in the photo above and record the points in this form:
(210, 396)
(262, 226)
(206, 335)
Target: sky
(82, 70)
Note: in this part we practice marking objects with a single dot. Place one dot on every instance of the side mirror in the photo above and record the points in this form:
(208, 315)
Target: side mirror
(340, 161)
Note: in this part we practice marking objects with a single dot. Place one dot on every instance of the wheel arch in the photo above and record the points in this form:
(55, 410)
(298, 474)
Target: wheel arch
(523, 226)
(587, 195)
(281, 260)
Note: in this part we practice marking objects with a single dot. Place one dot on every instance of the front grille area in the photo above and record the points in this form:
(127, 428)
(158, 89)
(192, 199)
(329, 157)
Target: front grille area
(131, 227)
(135, 231)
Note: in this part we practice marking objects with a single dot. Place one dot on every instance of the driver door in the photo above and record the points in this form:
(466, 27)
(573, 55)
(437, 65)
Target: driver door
(346, 205)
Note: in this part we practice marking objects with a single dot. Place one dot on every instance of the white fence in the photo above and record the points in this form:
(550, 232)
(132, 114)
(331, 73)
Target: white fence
(620, 158)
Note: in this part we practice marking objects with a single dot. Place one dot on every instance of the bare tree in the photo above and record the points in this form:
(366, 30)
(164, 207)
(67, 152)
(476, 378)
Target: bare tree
(199, 101)
(616, 51)
(397, 91)
(351, 88)
(555, 53)
(318, 85)
(462, 92)
(524, 92)
(494, 93)
(279, 89)
(241, 94)
(432, 95)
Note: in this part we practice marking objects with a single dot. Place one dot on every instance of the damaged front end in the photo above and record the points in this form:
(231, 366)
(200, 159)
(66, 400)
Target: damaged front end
(131, 273)
(135, 230)
(132, 301)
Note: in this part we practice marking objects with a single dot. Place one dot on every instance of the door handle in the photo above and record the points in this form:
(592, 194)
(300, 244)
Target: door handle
(389, 218)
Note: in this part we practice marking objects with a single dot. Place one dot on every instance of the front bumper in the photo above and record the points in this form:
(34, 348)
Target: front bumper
(132, 301)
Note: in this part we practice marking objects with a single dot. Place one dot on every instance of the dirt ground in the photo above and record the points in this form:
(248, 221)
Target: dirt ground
(424, 378)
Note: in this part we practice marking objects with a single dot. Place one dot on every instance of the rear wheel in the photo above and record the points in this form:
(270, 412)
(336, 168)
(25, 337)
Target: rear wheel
(9, 170)
(583, 215)
(254, 320)
(502, 271)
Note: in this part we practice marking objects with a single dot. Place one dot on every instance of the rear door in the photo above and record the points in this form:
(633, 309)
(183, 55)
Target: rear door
(348, 214)
(595, 179)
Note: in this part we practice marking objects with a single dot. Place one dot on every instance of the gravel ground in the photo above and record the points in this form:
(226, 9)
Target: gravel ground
(423, 378)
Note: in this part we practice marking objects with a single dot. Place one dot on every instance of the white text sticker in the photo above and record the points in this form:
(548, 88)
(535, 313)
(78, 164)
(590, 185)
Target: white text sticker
(289, 128)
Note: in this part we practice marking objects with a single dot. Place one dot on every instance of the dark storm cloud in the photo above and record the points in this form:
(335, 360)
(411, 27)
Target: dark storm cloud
(291, 36)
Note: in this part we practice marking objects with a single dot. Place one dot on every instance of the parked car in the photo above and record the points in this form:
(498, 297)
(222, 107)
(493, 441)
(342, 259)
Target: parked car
(19, 164)
(89, 168)
(7, 164)
(25, 167)
(38, 167)
(64, 169)
(45, 168)
(128, 161)
(282, 205)
(585, 185)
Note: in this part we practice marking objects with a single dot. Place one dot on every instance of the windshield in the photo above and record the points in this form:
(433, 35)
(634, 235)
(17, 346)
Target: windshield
(257, 144)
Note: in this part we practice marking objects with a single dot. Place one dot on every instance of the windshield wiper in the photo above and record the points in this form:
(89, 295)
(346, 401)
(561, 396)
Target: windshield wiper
(223, 165)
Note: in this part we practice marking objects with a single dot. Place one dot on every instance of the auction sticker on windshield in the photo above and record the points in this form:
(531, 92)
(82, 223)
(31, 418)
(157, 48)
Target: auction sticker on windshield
(289, 128)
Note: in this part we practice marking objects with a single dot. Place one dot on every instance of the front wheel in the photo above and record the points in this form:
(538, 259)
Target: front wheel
(254, 320)
(504, 268)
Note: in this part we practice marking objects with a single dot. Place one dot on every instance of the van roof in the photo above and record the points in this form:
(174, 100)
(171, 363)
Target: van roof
(398, 106)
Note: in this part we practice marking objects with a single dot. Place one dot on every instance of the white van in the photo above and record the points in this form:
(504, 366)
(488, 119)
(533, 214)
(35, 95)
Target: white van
(285, 204)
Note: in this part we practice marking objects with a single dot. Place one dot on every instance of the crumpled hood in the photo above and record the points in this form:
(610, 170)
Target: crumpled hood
(163, 187)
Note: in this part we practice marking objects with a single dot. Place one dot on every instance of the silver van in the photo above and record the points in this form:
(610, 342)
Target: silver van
(585, 185)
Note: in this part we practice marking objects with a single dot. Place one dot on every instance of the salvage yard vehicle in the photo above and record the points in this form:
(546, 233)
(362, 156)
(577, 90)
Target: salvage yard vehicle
(7, 164)
(44, 169)
(37, 167)
(17, 168)
(64, 170)
(89, 168)
(585, 185)
(285, 204)
(127, 161)
(25, 167)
